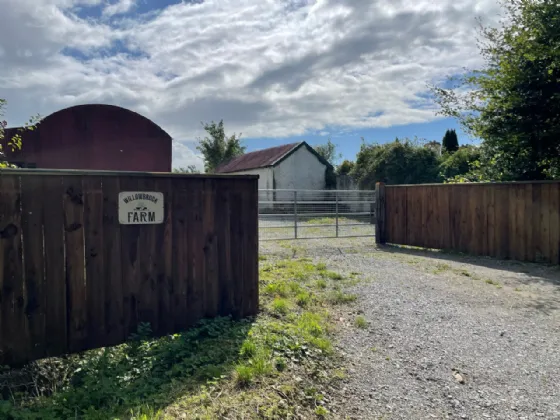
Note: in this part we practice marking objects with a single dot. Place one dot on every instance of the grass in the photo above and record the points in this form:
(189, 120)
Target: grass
(360, 322)
(280, 364)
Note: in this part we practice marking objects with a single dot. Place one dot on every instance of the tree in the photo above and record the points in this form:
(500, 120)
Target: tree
(218, 148)
(328, 152)
(450, 142)
(513, 102)
(191, 169)
(345, 167)
(457, 165)
(14, 142)
(400, 162)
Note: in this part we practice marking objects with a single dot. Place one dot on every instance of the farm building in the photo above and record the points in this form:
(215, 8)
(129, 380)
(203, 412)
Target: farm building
(291, 166)
(94, 137)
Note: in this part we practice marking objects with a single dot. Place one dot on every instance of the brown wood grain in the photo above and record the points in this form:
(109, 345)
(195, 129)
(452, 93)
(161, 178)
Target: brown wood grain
(490, 202)
(236, 229)
(56, 328)
(536, 220)
(94, 279)
(182, 268)
(164, 260)
(146, 275)
(251, 245)
(113, 274)
(35, 285)
(223, 231)
(130, 265)
(73, 203)
(12, 313)
(211, 267)
(528, 230)
(196, 258)
(555, 223)
(94, 260)
(545, 212)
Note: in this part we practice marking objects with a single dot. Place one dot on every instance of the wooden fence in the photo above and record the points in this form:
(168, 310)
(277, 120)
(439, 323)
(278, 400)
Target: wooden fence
(509, 220)
(73, 278)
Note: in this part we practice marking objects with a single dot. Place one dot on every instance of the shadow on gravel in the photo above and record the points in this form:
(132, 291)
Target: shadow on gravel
(525, 273)
(534, 271)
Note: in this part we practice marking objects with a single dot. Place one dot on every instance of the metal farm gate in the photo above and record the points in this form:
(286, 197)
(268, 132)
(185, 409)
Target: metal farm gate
(310, 214)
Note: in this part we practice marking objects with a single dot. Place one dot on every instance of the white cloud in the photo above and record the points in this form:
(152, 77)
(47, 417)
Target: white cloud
(268, 68)
(184, 157)
(120, 7)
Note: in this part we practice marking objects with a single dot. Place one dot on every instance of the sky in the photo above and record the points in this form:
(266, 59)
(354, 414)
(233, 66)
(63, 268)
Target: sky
(277, 71)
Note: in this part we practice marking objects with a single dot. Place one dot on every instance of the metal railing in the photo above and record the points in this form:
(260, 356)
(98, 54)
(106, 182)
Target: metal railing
(310, 214)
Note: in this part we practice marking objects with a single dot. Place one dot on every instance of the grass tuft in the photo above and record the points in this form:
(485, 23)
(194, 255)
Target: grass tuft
(360, 322)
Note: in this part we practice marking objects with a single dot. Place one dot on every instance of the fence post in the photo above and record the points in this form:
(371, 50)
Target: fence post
(380, 226)
(336, 195)
(295, 214)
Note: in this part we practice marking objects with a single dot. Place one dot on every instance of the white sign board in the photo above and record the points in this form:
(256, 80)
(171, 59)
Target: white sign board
(140, 208)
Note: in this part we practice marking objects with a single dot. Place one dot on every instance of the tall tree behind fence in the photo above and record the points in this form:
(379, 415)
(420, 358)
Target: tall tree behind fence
(73, 278)
(511, 220)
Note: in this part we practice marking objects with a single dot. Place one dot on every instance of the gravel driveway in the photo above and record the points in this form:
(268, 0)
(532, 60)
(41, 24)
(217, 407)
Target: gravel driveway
(447, 336)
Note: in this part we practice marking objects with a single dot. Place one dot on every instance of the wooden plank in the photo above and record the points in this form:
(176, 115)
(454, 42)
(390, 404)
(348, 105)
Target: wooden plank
(380, 214)
(528, 223)
(536, 223)
(14, 344)
(465, 233)
(210, 249)
(147, 300)
(414, 216)
(475, 229)
(398, 219)
(32, 199)
(555, 223)
(512, 217)
(501, 198)
(482, 214)
(251, 246)
(545, 210)
(75, 262)
(94, 259)
(389, 209)
(236, 229)
(56, 328)
(164, 272)
(519, 245)
(426, 200)
(112, 259)
(455, 216)
(223, 231)
(130, 244)
(195, 252)
(490, 220)
(444, 217)
(182, 267)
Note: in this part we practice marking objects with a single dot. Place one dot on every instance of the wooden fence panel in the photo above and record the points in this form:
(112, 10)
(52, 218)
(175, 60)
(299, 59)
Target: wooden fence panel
(34, 279)
(56, 328)
(73, 278)
(507, 220)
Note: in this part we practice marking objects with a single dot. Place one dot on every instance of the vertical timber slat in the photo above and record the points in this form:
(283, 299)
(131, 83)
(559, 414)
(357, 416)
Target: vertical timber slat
(75, 263)
(35, 285)
(95, 270)
(56, 328)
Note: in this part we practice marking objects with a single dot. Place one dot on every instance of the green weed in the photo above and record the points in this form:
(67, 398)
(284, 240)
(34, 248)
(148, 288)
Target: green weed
(360, 322)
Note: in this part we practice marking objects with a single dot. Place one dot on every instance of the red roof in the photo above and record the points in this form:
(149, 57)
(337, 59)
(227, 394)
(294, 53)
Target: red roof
(258, 159)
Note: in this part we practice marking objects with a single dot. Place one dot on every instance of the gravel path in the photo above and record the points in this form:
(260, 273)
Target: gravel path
(447, 337)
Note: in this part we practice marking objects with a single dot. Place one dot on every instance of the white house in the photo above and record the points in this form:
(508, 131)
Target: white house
(294, 166)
